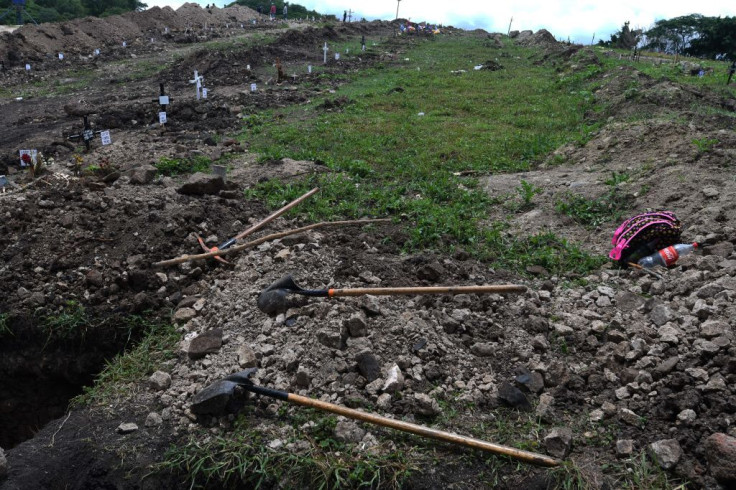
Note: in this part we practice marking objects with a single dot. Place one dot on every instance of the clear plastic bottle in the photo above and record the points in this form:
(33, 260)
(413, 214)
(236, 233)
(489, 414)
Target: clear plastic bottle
(668, 256)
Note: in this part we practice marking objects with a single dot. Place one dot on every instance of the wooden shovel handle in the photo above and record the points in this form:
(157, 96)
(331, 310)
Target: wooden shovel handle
(527, 456)
(504, 288)
(276, 214)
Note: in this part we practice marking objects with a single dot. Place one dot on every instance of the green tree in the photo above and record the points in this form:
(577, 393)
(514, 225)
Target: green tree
(674, 35)
(717, 38)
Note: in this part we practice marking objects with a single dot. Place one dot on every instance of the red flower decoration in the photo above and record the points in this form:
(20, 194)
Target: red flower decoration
(26, 158)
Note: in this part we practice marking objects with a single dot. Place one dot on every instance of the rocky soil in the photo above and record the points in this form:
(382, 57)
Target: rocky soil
(611, 366)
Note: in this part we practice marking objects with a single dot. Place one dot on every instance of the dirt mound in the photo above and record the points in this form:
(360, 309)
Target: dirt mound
(540, 38)
(82, 36)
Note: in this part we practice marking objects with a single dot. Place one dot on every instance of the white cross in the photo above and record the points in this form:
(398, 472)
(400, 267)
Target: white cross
(198, 79)
(325, 50)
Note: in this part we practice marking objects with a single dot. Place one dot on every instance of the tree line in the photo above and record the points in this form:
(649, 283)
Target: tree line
(689, 35)
(60, 10)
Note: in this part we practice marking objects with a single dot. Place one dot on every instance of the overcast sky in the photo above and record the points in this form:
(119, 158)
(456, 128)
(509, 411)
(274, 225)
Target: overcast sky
(577, 19)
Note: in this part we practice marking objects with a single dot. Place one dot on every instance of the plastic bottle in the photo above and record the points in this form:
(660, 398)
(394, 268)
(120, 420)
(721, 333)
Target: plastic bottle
(668, 256)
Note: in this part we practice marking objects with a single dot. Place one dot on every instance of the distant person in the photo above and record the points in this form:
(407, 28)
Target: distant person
(344, 15)
(731, 71)
(273, 11)
(285, 12)
(260, 10)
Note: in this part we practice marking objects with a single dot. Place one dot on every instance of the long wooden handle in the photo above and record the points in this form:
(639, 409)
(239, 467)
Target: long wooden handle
(529, 457)
(504, 288)
(276, 214)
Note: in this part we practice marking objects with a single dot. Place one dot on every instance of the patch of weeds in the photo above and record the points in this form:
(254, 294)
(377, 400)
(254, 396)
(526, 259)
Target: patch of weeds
(640, 472)
(527, 191)
(617, 178)
(592, 212)
(159, 344)
(72, 323)
(704, 145)
(569, 476)
(178, 166)
(243, 459)
(5, 330)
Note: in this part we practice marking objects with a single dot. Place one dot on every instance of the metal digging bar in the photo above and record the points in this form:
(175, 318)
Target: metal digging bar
(274, 298)
(215, 398)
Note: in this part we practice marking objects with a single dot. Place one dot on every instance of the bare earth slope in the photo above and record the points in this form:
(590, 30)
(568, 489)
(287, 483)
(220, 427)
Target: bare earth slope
(631, 366)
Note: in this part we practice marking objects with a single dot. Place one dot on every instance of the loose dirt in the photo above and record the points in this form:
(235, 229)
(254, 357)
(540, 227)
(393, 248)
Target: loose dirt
(615, 356)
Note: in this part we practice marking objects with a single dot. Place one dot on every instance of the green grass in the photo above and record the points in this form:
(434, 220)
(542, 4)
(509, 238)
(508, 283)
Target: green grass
(387, 160)
(159, 343)
(243, 458)
(179, 166)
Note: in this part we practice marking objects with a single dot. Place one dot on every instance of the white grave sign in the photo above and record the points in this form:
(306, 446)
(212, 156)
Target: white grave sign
(125, 44)
(163, 100)
(309, 69)
(105, 137)
(247, 67)
(97, 52)
(32, 154)
(253, 87)
(162, 117)
(325, 49)
(197, 81)
(204, 92)
(337, 56)
(61, 56)
(28, 67)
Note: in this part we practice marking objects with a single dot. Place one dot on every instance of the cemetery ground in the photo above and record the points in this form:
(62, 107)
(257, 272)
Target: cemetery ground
(498, 160)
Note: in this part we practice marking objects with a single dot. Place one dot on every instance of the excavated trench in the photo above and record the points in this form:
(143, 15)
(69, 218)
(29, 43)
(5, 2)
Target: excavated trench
(41, 370)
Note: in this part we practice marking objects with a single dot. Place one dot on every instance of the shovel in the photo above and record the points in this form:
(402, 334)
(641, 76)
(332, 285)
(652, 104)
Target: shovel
(217, 397)
(274, 299)
(255, 227)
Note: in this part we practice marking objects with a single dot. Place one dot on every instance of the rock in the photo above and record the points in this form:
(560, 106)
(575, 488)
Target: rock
(624, 447)
(711, 192)
(154, 419)
(482, 349)
(394, 380)
(127, 428)
(596, 415)
(3, 465)
(143, 175)
(513, 397)
(357, 324)
(348, 431)
(712, 328)
(200, 184)
(665, 367)
(207, 343)
(660, 315)
(544, 408)
(687, 416)
(94, 278)
(629, 417)
(558, 442)
(627, 301)
(183, 315)
(368, 366)
(666, 452)
(160, 380)
(330, 338)
(247, 357)
(721, 249)
(426, 405)
(720, 451)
